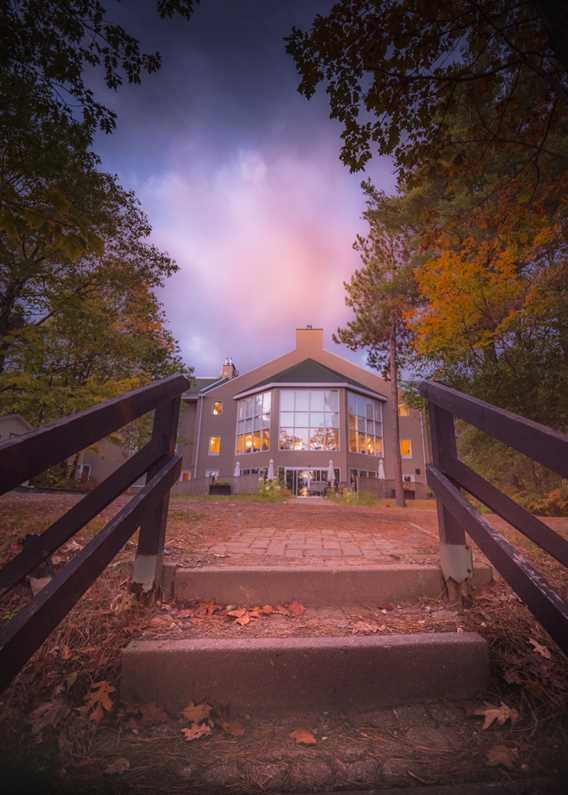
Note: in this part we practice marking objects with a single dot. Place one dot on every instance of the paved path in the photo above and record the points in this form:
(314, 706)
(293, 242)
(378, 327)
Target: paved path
(312, 532)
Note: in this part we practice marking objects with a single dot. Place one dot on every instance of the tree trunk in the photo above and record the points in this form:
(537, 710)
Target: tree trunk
(398, 484)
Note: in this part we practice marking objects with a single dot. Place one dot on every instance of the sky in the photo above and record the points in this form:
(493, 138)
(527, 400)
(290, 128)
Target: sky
(241, 179)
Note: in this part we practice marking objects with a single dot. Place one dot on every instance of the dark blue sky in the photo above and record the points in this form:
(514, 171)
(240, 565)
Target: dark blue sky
(240, 177)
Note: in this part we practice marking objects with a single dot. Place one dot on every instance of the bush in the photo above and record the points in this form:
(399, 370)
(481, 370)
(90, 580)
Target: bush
(555, 503)
(350, 497)
(271, 490)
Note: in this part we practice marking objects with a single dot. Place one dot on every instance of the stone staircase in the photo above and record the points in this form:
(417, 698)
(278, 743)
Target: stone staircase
(278, 673)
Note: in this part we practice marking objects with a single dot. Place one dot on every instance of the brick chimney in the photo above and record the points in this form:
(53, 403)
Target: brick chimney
(229, 369)
(309, 340)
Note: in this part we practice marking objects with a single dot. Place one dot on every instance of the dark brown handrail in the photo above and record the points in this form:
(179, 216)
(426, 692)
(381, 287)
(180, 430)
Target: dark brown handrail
(456, 516)
(30, 454)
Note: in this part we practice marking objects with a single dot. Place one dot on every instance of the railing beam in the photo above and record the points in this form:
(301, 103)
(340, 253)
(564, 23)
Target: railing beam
(148, 560)
(456, 559)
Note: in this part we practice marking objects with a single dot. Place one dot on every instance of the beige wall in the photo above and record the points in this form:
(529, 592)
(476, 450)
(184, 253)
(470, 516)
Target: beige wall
(309, 344)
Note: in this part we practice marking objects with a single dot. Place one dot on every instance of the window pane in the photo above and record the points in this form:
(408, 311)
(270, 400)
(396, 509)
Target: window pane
(241, 411)
(266, 440)
(248, 425)
(249, 404)
(332, 439)
(240, 443)
(352, 442)
(256, 441)
(286, 400)
(286, 435)
(361, 442)
(379, 446)
(214, 445)
(266, 402)
(287, 419)
(217, 407)
(318, 439)
(352, 403)
(331, 400)
(302, 420)
(257, 404)
(317, 420)
(301, 441)
(302, 402)
(402, 410)
(316, 400)
(248, 443)
(406, 448)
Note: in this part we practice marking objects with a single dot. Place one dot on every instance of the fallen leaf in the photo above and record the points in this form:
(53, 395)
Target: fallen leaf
(237, 612)
(303, 737)
(296, 608)
(500, 714)
(162, 621)
(120, 765)
(502, 755)
(360, 627)
(196, 731)
(196, 712)
(243, 620)
(185, 613)
(206, 608)
(280, 610)
(267, 610)
(540, 649)
(232, 727)
(71, 546)
(98, 700)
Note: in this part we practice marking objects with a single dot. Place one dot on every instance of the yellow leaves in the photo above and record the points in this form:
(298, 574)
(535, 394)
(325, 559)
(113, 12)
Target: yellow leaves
(98, 700)
(196, 731)
(303, 737)
(232, 727)
(499, 715)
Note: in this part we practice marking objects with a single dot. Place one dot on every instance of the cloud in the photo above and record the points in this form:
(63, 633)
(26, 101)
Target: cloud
(263, 239)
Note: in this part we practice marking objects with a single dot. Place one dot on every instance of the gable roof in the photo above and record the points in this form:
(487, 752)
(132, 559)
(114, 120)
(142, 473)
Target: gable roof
(200, 385)
(309, 371)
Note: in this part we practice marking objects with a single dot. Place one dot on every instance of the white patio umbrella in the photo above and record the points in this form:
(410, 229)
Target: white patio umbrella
(237, 470)
(330, 472)
(381, 472)
(270, 473)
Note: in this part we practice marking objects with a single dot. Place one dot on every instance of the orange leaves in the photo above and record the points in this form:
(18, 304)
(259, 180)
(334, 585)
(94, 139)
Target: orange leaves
(499, 715)
(196, 731)
(98, 700)
(303, 737)
(243, 615)
(232, 727)
(296, 608)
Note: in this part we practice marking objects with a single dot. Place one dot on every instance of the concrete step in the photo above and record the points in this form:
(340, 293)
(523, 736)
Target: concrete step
(279, 675)
(315, 586)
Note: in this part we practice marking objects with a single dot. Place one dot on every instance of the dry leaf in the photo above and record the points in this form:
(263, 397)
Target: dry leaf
(502, 755)
(243, 620)
(303, 737)
(232, 727)
(540, 649)
(206, 608)
(196, 712)
(280, 610)
(237, 613)
(500, 714)
(362, 627)
(267, 610)
(196, 731)
(185, 613)
(162, 621)
(120, 765)
(98, 700)
(296, 608)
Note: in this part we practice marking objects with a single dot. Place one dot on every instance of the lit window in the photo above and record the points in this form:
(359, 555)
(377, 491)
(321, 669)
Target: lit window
(253, 423)
(214, 445)
(309, 419)
(406, 448)
(365, 423)
(402, 410)
(185, 475)
(218, 407)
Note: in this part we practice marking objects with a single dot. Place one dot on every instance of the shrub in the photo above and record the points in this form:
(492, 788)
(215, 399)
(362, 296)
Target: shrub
(271, 490)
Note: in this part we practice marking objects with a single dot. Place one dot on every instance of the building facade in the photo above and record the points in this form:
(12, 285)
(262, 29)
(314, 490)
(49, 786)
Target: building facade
(304, 415)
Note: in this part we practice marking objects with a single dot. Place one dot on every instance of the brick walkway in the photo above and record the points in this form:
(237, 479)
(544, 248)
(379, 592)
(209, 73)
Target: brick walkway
(314, 532)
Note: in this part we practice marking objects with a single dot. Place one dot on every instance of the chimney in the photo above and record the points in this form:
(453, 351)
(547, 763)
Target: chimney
(309, 340)
(229, 369)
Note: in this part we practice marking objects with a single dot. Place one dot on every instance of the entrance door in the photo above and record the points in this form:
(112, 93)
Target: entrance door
(307, 482)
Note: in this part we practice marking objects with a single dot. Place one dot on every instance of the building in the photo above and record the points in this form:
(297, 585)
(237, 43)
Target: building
(302, 414)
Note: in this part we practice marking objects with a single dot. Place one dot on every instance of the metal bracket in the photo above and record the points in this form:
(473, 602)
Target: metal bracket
(456, 562)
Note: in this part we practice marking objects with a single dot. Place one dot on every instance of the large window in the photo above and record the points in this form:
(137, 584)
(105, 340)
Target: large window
(253, 423)
(365, 425)
(309, 419)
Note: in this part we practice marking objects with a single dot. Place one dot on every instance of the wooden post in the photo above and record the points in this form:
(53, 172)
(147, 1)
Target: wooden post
(456, 560)
(148, 560)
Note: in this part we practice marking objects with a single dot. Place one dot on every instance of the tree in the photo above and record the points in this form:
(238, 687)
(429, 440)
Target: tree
(394, 69)
(48, 46)
(381, 295)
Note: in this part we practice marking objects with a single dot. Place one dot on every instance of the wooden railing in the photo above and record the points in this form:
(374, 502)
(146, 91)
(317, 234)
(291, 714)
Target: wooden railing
(447, 475)
(29, 455)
